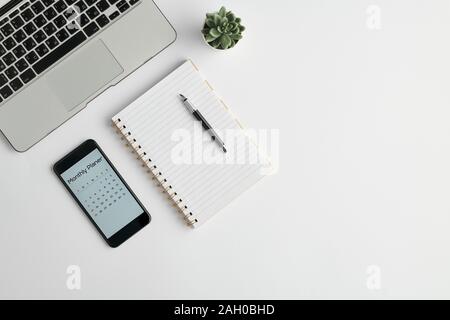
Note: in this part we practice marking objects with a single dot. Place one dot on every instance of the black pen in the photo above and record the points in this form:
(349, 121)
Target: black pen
(204, 122)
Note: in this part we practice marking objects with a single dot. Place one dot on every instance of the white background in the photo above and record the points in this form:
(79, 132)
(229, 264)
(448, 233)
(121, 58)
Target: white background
(364, 174)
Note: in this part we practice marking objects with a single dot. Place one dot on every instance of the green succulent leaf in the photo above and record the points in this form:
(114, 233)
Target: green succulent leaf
(217, 19)
(225, 41)
(223, 12)
(236, 37)
(210, 22)
(215, 33)
(210, 38)
(230, 16)
(216, 43)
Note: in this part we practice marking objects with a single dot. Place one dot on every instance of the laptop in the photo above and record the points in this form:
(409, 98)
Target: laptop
(57, 55)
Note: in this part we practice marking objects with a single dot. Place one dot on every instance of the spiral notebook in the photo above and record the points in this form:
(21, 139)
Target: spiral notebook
(198, 177)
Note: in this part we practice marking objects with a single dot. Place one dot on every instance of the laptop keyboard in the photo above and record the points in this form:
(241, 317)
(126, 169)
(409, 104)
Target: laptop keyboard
(41, 32)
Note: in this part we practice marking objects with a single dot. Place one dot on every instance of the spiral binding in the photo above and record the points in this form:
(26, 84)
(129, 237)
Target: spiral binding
(153, 169)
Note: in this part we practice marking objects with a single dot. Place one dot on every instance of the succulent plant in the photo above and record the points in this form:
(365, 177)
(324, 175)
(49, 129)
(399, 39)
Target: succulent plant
(222, 29)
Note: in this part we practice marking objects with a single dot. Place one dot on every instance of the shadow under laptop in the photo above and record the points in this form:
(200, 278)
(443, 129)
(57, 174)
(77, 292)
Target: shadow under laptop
(6, 145)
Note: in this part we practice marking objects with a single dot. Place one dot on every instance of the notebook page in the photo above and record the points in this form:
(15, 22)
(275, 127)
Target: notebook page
(204, 178)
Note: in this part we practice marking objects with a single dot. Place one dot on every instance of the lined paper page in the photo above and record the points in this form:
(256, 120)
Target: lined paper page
(204, 177)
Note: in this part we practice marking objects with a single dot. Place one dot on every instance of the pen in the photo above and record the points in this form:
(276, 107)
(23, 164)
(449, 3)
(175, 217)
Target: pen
(204, 122)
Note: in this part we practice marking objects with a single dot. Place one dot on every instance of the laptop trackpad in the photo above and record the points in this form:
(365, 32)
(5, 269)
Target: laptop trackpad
(84, 73)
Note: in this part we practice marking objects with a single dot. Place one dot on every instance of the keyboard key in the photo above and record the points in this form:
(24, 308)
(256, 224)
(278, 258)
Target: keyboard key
(17, 22)
(42, 50)
(70, 2)
(60, 21)
(3, 21)
(37, 7)
(14, 13)
(19, 51)
(51, 42)
(90, 2)
(3, 80)
(2, 50)
(114, 15)
(26, 4)
(5, 92)
(102, 5)
(21, 65)
(90, 29)
(84, 20)
(50, 13)
(122, 6)
(16, 84)
(49, 29)
(9, 43)
(81, 6)
(102, 21)
(29, 44)
(71, 13)
(62, 35)
(39, 36)
(32, 57)
(11, 72)
(59, 52)
(40, 21)
(2, 66)
(92, 12)
(29, 28)
(1, 37)
(72, 27)
(47, 2)
(7, 29)
(27, 76)
(60, 6)
(133, 2)
(9, 58)
(19, 36)
(27, 15)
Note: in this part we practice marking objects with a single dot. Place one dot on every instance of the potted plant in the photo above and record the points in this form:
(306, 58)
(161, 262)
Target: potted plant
(222, 30)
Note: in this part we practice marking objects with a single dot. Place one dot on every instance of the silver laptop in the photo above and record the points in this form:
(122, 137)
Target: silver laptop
(57, 55)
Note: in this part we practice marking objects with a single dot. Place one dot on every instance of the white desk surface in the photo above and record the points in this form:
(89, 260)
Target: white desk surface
(364, 172)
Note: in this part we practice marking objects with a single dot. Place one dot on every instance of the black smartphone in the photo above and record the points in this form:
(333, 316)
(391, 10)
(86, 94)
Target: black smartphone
(102, 193)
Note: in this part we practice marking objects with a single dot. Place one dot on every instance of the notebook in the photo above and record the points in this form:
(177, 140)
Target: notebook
(198, 176)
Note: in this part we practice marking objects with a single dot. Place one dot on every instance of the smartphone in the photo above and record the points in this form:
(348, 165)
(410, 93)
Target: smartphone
(102, 193)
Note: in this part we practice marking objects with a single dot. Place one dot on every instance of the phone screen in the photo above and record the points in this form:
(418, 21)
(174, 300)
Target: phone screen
(102, 193)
